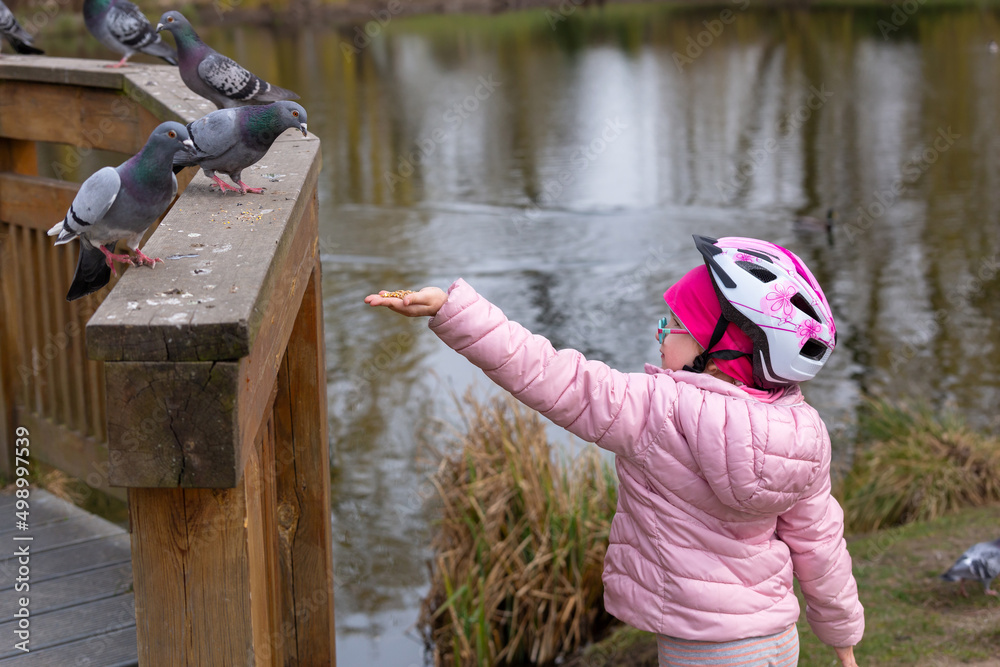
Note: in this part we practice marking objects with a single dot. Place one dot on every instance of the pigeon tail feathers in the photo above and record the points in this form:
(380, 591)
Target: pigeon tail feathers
(24, 48)
(65, 234)
(92, 271)
(161, 49)
(275, 93)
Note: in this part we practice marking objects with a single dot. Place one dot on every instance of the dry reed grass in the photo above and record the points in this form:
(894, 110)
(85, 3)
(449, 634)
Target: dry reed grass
(520, 547)
(918, 466)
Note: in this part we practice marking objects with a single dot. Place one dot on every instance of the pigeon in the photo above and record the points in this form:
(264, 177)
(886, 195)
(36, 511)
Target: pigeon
(15, 35)
(981, 561)
(122, 27)
(214, 76)
(230, 140)
(120, 203)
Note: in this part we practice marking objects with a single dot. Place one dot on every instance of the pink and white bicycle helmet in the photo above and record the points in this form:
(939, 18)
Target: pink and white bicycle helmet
(769, 293)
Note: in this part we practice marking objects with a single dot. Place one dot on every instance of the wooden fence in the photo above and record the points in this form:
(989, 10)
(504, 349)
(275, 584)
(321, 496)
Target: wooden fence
(204, 393)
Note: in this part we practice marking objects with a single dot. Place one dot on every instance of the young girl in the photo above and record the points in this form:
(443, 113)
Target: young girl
(723, 469)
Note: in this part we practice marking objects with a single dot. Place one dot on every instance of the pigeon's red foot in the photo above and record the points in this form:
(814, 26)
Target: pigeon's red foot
(990, 591)
(142, 258)
(120, 63)
(110, 258)
(224, 186)
(246, 188)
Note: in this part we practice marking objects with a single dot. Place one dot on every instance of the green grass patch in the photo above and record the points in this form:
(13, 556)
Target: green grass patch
(912, 617)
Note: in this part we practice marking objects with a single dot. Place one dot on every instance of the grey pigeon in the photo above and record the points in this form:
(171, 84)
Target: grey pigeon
(214, 76)
(230, 140)
(15, 35)
(120, 203)
(122, 27)
(980, 562)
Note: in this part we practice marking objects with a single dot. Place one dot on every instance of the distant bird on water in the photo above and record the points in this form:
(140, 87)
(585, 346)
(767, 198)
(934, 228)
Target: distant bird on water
(16, 36)
(230, 140)
(122, 27)
(807, 224)
(120, 203)
(214, 76)
(981, 562)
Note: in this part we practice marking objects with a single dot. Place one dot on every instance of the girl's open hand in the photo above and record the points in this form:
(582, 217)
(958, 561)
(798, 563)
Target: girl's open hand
(426, 302)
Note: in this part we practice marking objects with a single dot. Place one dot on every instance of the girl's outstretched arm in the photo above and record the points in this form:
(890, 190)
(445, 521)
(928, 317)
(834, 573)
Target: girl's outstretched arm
(427, 302)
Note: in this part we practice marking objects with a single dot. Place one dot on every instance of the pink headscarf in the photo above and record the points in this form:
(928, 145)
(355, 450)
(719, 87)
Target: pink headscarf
(695, 304)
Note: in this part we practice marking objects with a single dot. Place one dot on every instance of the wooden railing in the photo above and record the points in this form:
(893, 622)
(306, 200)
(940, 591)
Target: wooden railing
(204, 394)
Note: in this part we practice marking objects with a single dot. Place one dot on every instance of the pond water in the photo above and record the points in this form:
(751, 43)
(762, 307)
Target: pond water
(561, 162)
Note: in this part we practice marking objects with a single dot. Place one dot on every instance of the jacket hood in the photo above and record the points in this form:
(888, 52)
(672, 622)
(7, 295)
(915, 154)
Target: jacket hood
(758, 451)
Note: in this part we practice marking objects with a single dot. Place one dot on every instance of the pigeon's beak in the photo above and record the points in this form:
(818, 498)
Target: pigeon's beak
(303, 128)
(188, 144)
(159, 27)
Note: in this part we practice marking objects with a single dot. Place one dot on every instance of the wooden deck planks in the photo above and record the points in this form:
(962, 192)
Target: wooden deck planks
(73, 589)
(113, 649)
(80, 597)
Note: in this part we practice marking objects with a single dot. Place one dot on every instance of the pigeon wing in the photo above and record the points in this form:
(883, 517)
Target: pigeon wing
(91, 203)
(228, 78)
(212, 135)
(985, 560)
(129, 25)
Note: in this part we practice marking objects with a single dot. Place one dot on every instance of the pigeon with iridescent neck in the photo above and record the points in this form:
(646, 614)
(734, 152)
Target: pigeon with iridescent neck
(122, 27)
(120, 203)
(214, 76)
(16, 36)
(230, 140)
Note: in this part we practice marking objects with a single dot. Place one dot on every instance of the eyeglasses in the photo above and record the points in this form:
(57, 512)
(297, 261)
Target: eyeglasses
(662, 330)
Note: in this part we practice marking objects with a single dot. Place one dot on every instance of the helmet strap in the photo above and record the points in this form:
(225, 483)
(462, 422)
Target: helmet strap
(701, 361)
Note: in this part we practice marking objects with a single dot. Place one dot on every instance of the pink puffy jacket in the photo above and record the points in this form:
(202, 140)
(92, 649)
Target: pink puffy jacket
(721, 496)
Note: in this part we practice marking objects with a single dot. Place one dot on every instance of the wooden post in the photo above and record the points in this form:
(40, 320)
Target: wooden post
(303, 458)
(210, 370)
(217, 424)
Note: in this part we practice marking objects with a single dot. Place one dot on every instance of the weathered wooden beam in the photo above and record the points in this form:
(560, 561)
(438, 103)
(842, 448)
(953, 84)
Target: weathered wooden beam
(173, 424)
(195, 366)
(223, 257)
(34, 202)
(85, 117)
(72, 71)
(167, 99)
